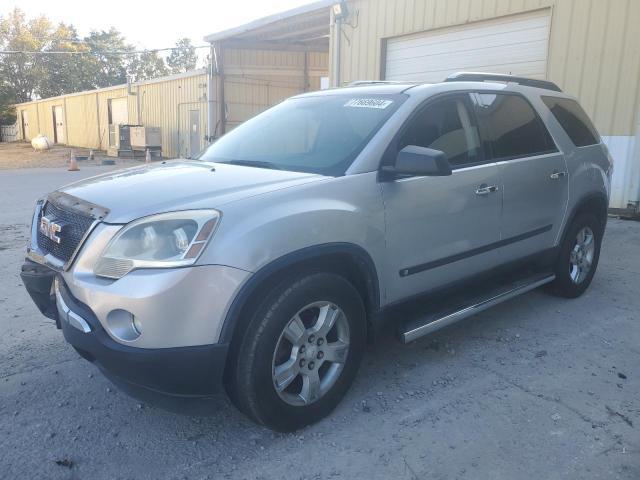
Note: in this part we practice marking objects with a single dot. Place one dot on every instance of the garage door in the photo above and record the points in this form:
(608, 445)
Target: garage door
(515, 44)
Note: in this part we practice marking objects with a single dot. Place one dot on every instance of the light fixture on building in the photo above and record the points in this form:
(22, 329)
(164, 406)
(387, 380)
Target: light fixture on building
(340, 10)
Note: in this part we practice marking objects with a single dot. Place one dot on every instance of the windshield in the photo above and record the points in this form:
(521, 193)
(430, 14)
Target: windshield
(321, 134)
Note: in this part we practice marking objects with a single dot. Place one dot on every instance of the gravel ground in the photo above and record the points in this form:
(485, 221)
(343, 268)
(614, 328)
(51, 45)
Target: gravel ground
(538, 387)
(22, 155)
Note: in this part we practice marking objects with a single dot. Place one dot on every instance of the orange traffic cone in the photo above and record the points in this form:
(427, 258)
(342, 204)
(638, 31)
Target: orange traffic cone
(147, 156)
(73, 162)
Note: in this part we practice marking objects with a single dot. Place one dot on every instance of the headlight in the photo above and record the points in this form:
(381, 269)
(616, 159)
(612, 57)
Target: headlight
(167, 240)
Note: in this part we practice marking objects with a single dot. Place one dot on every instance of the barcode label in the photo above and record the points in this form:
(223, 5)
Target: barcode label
(368, 103)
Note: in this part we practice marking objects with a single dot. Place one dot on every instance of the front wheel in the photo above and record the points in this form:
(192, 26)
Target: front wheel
(300, 352)
(578, 258)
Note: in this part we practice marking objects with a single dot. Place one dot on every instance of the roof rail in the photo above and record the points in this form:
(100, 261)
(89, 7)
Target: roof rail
(498, 77)
(359, 83)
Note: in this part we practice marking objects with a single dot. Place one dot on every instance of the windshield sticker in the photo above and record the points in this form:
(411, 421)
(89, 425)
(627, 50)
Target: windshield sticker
(368, 103)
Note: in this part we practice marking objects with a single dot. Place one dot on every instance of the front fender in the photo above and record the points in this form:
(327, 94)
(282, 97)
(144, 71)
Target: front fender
(260, 229)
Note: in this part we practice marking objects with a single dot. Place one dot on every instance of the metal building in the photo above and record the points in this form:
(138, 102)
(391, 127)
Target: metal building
(590, 48)
(255, 66)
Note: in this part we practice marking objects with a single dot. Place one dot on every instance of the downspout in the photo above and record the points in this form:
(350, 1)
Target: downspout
(222, 114)
(210, 96)
(305, 88)
(98, 118)
(337, 52)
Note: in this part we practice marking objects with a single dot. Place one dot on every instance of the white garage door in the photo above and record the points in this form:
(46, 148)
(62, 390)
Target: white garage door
(515, 45)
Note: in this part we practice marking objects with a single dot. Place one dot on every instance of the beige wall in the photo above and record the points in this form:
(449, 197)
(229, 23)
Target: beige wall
(594, 49)
(254, 81)
(258, 79)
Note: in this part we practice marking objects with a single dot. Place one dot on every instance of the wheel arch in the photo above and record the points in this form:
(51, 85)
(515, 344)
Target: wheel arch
(349, 260)
(596, 203)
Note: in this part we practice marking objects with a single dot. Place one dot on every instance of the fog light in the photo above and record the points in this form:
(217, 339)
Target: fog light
(123, 325)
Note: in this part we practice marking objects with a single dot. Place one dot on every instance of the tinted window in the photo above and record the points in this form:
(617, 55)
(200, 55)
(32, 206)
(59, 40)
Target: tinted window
(573, 119)
(322, 134)
(512, 128)
(446, 126)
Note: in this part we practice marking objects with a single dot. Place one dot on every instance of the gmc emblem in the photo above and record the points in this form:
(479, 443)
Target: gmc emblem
(50, 229)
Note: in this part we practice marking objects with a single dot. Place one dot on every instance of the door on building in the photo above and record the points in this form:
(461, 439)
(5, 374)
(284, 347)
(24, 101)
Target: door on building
(515, 44)
(194, 133)
(461, 228)
(58, 125)
(117, 114)
(25, 125)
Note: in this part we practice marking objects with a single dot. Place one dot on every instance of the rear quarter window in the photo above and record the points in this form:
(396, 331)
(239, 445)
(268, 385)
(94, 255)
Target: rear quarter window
(511, 127)
(573, 120)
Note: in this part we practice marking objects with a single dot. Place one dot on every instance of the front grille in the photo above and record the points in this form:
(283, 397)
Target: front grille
(75, 227)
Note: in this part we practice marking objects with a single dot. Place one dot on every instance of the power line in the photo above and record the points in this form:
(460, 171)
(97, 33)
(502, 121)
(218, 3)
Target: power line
(95, 52)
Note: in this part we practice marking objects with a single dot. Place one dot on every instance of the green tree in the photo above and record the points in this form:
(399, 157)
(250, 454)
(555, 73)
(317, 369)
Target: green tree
(108, 64)
(145, 66)
(66, 73)
(183, 58)
(23, 71)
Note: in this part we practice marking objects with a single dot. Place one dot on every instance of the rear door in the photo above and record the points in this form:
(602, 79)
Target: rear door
(441, 229)
(532, 169)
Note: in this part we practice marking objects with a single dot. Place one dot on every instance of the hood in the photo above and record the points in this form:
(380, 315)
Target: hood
(179, 185)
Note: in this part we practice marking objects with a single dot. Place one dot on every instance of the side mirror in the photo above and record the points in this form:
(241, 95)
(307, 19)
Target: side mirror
(420, 162)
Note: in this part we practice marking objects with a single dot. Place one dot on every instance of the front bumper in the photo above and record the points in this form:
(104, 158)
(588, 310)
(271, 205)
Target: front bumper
(181, 371)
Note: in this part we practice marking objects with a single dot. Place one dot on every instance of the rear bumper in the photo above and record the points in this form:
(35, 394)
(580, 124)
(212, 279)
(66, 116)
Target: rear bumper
(194, 371)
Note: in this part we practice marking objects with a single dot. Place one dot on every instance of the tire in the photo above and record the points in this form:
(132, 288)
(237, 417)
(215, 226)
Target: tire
(573, 280)
(266, 349)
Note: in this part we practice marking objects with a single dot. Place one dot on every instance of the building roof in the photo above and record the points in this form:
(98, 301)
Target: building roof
(307, 26)
(167, 78)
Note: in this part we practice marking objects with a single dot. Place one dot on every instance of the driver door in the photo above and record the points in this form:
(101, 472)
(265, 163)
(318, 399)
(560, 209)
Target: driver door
(442, 229)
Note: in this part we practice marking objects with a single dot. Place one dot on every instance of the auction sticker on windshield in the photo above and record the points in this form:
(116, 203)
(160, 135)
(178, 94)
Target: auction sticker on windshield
(378, 103)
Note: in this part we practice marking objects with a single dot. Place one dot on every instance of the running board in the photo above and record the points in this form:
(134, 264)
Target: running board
(426, 324)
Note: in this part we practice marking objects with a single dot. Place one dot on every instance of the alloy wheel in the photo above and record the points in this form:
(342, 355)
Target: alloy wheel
(311, 353)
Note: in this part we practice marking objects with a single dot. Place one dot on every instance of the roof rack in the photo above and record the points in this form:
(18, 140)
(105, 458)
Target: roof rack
(498, 77)
(359, 83)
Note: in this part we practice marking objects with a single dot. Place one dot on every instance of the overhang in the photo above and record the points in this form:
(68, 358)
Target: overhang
(302, 28)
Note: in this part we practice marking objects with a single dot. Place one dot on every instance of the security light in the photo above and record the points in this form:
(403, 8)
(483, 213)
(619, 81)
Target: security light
(340, 10)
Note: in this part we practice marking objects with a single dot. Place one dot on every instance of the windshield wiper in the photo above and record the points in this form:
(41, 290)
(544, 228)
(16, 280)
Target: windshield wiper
(254, 163)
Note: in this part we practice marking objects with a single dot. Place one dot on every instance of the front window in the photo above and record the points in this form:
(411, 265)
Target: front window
(322, 134)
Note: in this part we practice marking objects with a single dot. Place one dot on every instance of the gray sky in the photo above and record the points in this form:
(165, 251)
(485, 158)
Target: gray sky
(153, 24)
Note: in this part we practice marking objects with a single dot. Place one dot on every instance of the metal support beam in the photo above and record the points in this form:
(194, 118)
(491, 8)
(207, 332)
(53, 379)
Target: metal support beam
(211, 117)
(222, 114)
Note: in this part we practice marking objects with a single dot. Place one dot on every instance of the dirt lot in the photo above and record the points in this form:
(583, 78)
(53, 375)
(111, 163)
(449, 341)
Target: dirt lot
(22, 155)
(536, 388)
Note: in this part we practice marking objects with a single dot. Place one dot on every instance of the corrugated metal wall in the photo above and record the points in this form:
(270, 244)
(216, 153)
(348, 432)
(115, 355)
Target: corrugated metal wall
(254, 81)
(258, 79)
(594, 52)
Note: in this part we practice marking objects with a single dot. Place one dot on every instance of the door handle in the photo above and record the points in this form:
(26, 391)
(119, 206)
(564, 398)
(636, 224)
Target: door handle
(556, 175)
(485, 189)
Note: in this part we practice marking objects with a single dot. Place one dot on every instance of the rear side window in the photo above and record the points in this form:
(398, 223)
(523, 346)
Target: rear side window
(573, 120)
(511, 127)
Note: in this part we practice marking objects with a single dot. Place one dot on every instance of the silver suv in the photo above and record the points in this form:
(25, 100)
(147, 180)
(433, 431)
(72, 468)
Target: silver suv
(265, 266)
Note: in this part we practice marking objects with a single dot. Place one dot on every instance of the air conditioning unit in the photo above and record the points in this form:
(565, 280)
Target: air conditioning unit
(143, 138)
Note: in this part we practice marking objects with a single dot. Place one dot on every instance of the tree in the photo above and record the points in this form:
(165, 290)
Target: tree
(107, 65)
(145, 66)
(183, 58)
(22, 70)
(65, 73)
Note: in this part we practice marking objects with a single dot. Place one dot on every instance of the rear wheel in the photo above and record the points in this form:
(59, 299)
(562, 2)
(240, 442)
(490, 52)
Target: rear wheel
(300, 352)
(578, 257)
